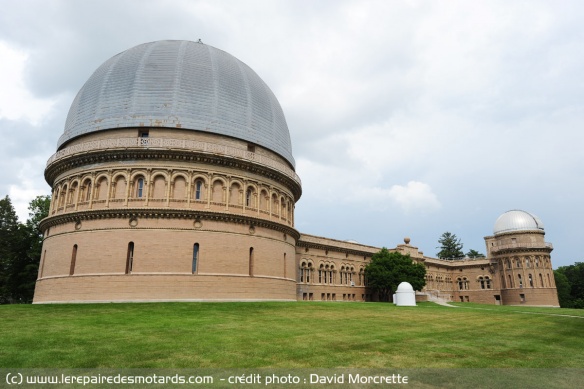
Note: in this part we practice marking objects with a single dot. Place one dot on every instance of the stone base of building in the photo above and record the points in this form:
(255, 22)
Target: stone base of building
(143, 287)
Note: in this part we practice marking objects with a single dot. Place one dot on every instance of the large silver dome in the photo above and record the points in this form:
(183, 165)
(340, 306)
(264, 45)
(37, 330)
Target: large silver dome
(180, 84)
(517, 220)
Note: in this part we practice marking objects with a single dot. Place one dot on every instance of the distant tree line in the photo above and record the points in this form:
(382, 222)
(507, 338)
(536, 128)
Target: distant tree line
(20, 250)
(570, 285)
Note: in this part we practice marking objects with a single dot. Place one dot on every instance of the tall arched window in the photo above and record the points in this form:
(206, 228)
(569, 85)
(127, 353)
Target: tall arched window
(520, 280)
(140, 188)
(510, 281)
(198, 190)
(130, 258)
(73, 260)
(195, 257)
(540, 280)
(251, 261)
(284, 265)
(248, 197)
(482, 282)
(88, 191)
(530, 280)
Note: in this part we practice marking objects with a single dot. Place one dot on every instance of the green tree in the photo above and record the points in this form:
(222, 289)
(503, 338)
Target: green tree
(20, 250)
(563, 287)
(9, 237)
(574, 274)
(450, 247)
(388, 269)
(474, 254)
(38, 210)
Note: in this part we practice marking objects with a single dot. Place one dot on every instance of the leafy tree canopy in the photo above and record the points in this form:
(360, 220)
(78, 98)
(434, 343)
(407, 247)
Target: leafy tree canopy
(20, 250)
(388, 269)
(450, 247)
(474, 254)
(570, 285)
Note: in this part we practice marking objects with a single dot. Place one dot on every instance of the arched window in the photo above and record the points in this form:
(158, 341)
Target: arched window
(487, 282)
(530, 280)
(540, 280)
(527, 264)
(549, 281)
(140, 188)
(460, 284)
(198, 190)
(130, 258)
(284, 265)
(251, 261)
(63, 197)
(195, 257)
(520, 280)
(331, 275)
(248, 194)
(482, 282)
(88, 190)
(73, 260)
(510, 281)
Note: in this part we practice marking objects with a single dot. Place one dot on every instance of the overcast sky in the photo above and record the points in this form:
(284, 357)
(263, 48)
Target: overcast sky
(407, 118)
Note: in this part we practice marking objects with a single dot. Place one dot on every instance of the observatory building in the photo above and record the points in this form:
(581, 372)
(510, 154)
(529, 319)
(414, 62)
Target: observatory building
(174, 180)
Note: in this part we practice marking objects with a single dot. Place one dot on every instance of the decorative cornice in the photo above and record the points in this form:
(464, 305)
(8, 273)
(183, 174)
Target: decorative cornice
(209, 154)
(161, 213)
(497, 252)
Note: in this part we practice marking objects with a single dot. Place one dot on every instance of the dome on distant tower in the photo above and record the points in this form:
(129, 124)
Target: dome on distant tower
(180, 84)
(517, 220)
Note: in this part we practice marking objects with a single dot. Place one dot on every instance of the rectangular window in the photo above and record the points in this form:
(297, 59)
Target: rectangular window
(522, 297)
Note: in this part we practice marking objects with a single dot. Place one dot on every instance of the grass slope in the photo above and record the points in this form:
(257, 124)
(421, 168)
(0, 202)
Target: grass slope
(288, 335)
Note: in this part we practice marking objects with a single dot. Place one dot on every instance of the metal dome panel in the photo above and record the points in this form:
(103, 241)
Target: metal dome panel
(517, 220)
(180, 84)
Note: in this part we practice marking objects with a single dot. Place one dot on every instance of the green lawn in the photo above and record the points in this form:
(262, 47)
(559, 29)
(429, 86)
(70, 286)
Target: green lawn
(288, 335)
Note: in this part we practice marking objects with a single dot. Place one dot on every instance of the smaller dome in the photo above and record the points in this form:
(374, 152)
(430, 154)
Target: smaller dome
(517, 220)
(404, 287)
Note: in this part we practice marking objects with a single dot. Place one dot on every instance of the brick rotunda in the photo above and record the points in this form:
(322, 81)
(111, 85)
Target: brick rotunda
(174, 180)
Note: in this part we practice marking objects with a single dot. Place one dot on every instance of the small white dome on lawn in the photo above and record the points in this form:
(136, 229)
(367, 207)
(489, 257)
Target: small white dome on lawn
(405, 295)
